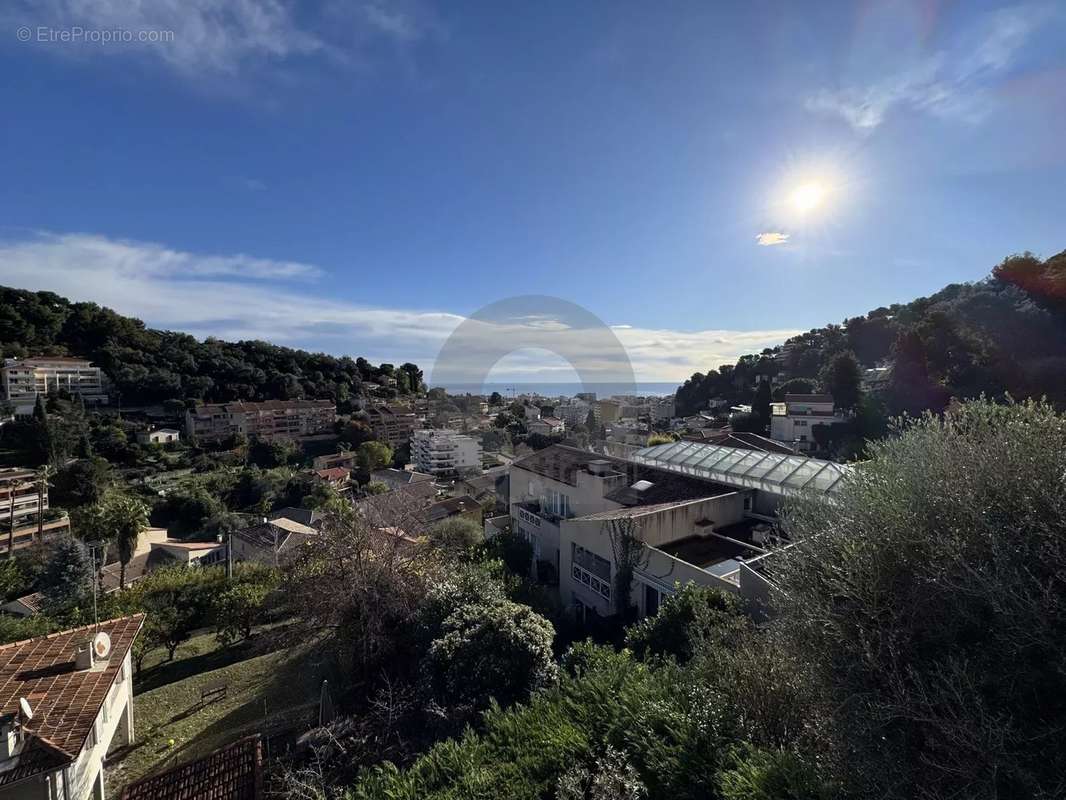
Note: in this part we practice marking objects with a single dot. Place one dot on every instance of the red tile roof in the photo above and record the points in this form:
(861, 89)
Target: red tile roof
(232, 773)
(65, 701)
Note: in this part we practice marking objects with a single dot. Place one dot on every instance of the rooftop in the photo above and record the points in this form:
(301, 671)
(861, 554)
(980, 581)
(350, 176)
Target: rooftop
(65, 701)
(777, 473)
(232, 773)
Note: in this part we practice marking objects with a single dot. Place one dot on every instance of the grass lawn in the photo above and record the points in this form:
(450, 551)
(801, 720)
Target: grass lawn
(266, 689)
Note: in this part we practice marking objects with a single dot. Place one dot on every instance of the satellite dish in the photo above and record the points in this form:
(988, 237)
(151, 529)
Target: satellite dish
(24, 707)
(101, 645)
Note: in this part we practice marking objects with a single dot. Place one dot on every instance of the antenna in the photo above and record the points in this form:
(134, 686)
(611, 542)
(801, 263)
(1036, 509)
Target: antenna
(25, 709)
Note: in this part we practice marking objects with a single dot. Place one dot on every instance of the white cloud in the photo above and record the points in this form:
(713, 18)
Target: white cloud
(954, 83)
(222, 37)
(244, 297)
(771, 238)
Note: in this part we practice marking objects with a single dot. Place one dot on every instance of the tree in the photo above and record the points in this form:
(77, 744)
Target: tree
(629, 555)
(68, 576)
(760, 406)
(794, 386)
(688, 620)
(842, 379)
(373, 455)
(457, 535)
(238, 609)
(929, 595)
(498, 650)
(512, 549)
(495, 399)
(81, 483)
(609, 777)
(126, 518)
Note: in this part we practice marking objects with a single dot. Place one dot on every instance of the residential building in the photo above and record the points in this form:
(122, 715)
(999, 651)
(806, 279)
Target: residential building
(159, 436)
(270, 542)
(531, 412)
(24, 510)
(607, 411)
(572, 413)
(699, 510)
(65, 699)
(345, 458)
(392, 425)
(338, 478)
(662, 409)
(546, 426)
(398, 478)
(271, 420)
(22, 380)
(628, 432)
(876, 379)
(305, 516)
(793, 421)
(464, 506)
(443, 452)
(587, 397)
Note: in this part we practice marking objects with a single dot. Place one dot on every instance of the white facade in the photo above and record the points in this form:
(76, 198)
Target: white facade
(445, 452)
(161, 436)
(21, 381)
(793, 421)
(572, 413)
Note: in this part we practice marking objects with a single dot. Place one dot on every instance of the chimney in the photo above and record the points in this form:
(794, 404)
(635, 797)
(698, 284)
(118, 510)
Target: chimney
(83, 657)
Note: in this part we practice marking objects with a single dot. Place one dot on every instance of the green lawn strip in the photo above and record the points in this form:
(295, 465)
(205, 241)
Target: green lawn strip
(260, 689)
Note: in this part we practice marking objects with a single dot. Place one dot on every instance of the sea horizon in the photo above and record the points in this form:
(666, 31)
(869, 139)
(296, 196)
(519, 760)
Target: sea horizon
(563, 388)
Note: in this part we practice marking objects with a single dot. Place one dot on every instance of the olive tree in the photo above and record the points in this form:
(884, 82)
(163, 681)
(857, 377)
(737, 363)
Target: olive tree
(928, 604)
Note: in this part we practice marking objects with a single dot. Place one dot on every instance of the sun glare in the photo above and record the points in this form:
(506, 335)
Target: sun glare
(807, 197)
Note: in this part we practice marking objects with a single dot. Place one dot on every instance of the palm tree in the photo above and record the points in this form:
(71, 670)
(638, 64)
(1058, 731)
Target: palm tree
(127, 517)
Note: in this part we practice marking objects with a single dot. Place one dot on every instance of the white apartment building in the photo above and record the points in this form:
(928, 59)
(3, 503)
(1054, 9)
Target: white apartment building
(66, 698)
(576, 413)
(443, 451)
(663, 409)
(22, 380)
(21, 500)
(702, 511)
(793, 421)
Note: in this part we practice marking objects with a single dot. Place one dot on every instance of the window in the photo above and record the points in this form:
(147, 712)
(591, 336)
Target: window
(591, 570)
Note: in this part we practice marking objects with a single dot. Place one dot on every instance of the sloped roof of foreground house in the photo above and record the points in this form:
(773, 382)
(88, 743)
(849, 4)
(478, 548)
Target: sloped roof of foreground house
(65, 701)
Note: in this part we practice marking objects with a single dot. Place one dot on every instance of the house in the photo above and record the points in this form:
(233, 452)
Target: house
(305, 516)
(464, 506)
(336, 477)
(793, 421)
(271, 420)
(159, 436)
(171, 552)
(628, 432)
(271, 542)
(392, 425)
(345, 458)
(234, 772)
(876, 379)
(531, 412)
(699, 510)
(546, 426)
(25, 606)
(445, 452)
(23, 380)
(65, 699)
(398, 478)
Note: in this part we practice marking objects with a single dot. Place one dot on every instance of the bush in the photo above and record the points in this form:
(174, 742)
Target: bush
(930, 595)
(512, 549)
(457, 535)
(771, 775)
(498, 650)
(692, 618)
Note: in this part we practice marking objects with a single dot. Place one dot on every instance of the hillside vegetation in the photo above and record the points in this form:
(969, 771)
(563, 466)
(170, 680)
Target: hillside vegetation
(1004, 334)
(148, 366)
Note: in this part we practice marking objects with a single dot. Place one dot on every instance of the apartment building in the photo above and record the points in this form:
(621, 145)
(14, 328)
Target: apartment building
(66, 699)
(270, 420)
(607, 411)
(393, 425)
(22, 380)
(546, 426)
(20, 505)
(572, 413)
(793, 421)
(701, 511)
(443, 452)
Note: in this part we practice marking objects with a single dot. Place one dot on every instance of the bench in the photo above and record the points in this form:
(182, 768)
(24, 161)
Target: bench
(210, 694)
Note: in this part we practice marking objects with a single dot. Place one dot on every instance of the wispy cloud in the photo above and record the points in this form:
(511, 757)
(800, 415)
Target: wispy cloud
(244, 297)
(224, 38)
(771, 238)
(955, 83)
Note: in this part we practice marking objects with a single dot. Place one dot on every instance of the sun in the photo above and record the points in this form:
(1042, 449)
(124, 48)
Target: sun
(808, 197)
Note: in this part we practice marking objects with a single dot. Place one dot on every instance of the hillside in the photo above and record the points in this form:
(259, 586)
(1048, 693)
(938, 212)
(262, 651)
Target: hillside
(149, 366)
(1003, 334)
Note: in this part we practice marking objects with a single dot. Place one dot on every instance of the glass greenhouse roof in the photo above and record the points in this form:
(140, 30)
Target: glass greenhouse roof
(772, 472)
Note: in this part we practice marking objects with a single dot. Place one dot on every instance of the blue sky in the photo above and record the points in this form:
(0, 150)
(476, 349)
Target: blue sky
(359, 177)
